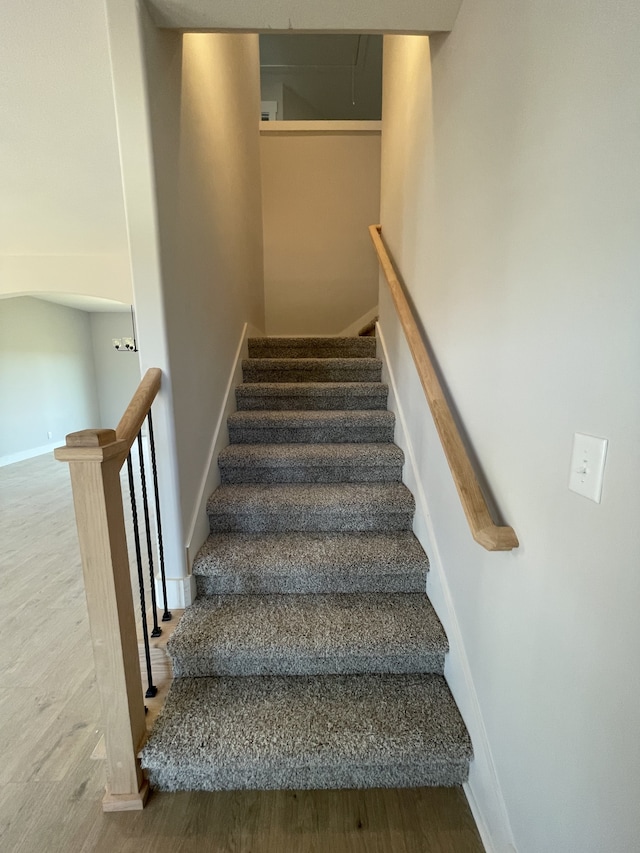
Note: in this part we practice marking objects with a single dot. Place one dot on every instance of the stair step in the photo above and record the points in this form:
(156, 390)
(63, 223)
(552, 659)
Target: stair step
(310, 562)
(312, 348)
(310, 427)
(308, 635)
(318, 507)
(295, 732)
(312, 370)
(311, 463)
(343, 396)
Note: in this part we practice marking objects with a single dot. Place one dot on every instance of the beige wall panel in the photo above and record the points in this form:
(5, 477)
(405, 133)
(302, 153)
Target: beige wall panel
(321, 191)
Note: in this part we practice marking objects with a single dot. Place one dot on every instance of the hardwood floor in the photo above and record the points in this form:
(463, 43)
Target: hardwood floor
(51, 790)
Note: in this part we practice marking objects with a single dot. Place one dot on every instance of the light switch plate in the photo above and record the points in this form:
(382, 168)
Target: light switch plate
(587, 466)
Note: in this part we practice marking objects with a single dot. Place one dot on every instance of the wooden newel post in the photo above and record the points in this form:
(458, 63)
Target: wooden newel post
(95, 458)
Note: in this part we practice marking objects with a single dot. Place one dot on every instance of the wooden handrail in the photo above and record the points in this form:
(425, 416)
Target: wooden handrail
(138, 408)
(491, 536)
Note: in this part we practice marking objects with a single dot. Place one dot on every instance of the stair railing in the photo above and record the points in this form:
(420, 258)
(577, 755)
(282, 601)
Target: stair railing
(491, 536)
(95, 457)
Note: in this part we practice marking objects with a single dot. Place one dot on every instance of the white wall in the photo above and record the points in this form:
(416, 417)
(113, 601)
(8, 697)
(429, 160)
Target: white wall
(321, 191)
(47, 380)
(511, 203)
(117, 373)
(62, 224)
(188, 112)
(216, 283)
(105, 276)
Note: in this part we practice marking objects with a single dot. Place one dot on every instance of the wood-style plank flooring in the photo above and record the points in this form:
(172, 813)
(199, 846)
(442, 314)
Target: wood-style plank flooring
(51, 790)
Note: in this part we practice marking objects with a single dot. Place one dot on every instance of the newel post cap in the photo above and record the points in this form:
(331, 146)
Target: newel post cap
(91, 438)
(91, 445)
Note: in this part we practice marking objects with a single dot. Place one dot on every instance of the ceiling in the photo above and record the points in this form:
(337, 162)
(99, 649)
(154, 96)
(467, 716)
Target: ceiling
(401, 16)
(59, 163)
(91, 304)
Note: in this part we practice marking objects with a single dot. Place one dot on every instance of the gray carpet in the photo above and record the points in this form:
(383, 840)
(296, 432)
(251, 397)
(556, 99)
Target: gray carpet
(311, 463)
(307, 427)
(322, 506)
(312, 348)
(310, 563)
(312, 370)
(319, 396)
(308, 635)
(312, 657)
(327, 731)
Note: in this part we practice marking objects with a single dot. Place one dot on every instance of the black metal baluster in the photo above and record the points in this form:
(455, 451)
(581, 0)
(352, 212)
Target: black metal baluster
(151, 689)
(166, 616)
(145, 504)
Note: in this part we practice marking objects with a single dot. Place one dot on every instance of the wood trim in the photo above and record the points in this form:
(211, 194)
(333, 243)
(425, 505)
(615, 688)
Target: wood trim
(94, 463)
(95, 457)
(491, 536)
(126, 802)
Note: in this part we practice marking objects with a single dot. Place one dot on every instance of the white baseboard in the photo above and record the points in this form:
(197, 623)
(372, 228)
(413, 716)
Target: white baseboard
(199, 527)
(181, 592)
(10, 458)
(483, 788)
(360, 323)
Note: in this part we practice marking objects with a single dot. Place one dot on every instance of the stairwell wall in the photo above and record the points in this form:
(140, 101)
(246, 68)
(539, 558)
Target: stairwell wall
(216, 285)
(321, 189)
(510, 204)
(188, 112)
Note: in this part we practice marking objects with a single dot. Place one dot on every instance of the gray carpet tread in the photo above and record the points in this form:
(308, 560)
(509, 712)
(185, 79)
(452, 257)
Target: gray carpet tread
(307, 463)
(312, 657)
(259, 508)
(307, 635)
(311, 563)
(291, 396)
(312, 347)
(310, 427)
(311, 370)
(327, 731)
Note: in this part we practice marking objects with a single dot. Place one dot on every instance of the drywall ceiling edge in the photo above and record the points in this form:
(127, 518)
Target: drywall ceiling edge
(361, 16)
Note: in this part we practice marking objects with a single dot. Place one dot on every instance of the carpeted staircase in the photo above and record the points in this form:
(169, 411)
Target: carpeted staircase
(312, 657)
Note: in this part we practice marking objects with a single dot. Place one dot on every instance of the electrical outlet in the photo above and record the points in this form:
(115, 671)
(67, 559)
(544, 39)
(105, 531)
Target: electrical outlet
(117, 343)
(587, 466)
(129, 344)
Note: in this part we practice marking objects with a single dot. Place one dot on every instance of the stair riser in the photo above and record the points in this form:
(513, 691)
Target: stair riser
(328, 403)
(238, 664)
(313, 474)
(257, 777)
(312, 348)
(330, 434)
(334, 519)
(312, 373)
(262, 583)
